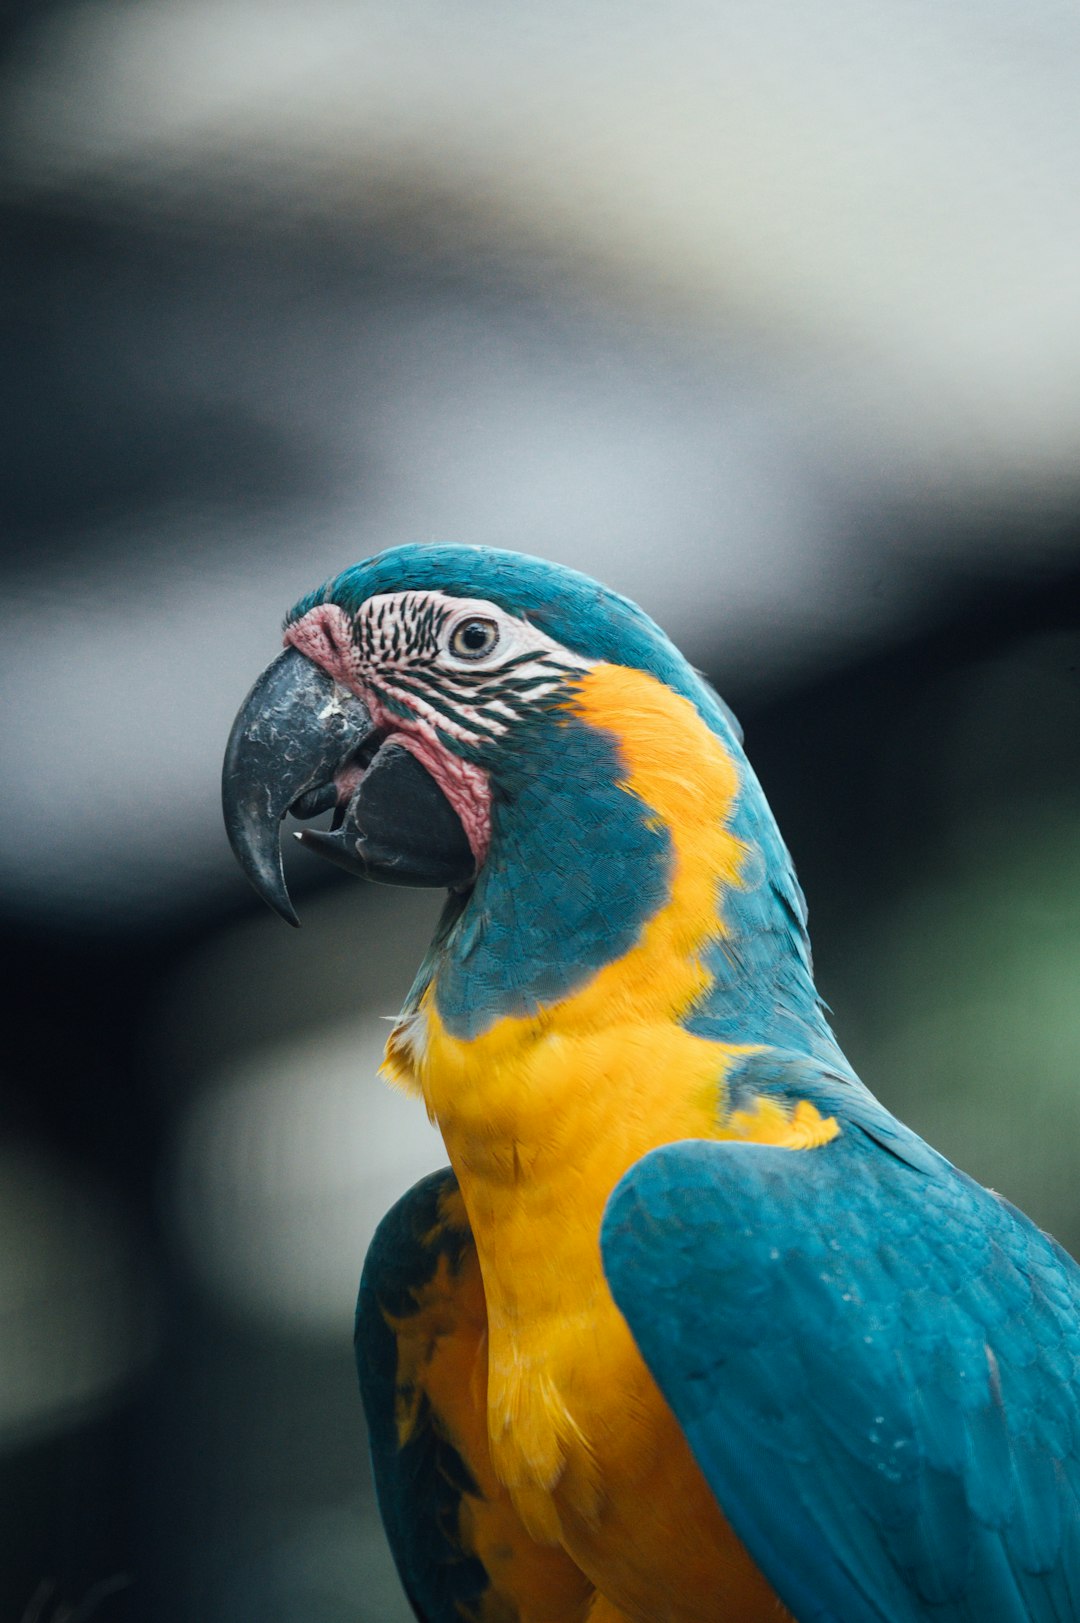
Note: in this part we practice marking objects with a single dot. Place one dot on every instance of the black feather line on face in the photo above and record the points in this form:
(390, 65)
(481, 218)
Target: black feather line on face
(394, 707)
(436, 701)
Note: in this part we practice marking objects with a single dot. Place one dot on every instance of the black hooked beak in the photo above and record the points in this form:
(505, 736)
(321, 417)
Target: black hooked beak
(304, 743)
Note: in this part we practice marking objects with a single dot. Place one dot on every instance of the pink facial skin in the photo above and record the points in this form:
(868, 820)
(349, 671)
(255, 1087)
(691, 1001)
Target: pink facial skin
(325, 636)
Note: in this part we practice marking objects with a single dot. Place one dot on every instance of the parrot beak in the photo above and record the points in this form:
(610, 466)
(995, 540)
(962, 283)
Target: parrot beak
(304, 743)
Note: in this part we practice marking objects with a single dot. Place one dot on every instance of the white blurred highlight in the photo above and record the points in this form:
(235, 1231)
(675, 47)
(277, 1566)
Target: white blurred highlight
(892, 183)
(284, 1165)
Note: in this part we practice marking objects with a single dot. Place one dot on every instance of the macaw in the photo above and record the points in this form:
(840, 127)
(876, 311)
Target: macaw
(691, 1328)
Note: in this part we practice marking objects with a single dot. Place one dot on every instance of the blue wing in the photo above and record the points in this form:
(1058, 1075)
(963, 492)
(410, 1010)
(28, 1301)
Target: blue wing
(876, 1362)
(422, 1249)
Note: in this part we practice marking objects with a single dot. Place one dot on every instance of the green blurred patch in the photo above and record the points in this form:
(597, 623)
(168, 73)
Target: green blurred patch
(967, 1020)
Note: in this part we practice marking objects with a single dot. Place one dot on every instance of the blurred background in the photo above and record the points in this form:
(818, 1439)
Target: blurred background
(767, 314)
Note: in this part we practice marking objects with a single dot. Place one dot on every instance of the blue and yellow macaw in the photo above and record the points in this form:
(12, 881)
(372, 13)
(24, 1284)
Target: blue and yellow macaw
(692, 1328)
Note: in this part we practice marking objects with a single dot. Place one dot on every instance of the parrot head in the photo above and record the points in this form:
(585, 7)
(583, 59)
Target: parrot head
(406, 690)
(520, 735)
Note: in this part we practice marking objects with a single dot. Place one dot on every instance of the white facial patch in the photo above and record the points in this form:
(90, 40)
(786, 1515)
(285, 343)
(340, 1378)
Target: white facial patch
(463, 664)
(442, 675)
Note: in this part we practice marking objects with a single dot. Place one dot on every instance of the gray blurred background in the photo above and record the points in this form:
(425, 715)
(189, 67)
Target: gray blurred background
(767, 313)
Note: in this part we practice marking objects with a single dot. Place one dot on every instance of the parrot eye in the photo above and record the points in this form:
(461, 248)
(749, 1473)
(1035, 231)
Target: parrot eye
(474, 638)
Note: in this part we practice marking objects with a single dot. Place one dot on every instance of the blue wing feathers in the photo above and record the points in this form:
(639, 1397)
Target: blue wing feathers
(419, 1484)
(876, 1363)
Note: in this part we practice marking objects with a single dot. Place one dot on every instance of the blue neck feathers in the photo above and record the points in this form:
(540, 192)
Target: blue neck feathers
(575, 871)
(573, 874)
